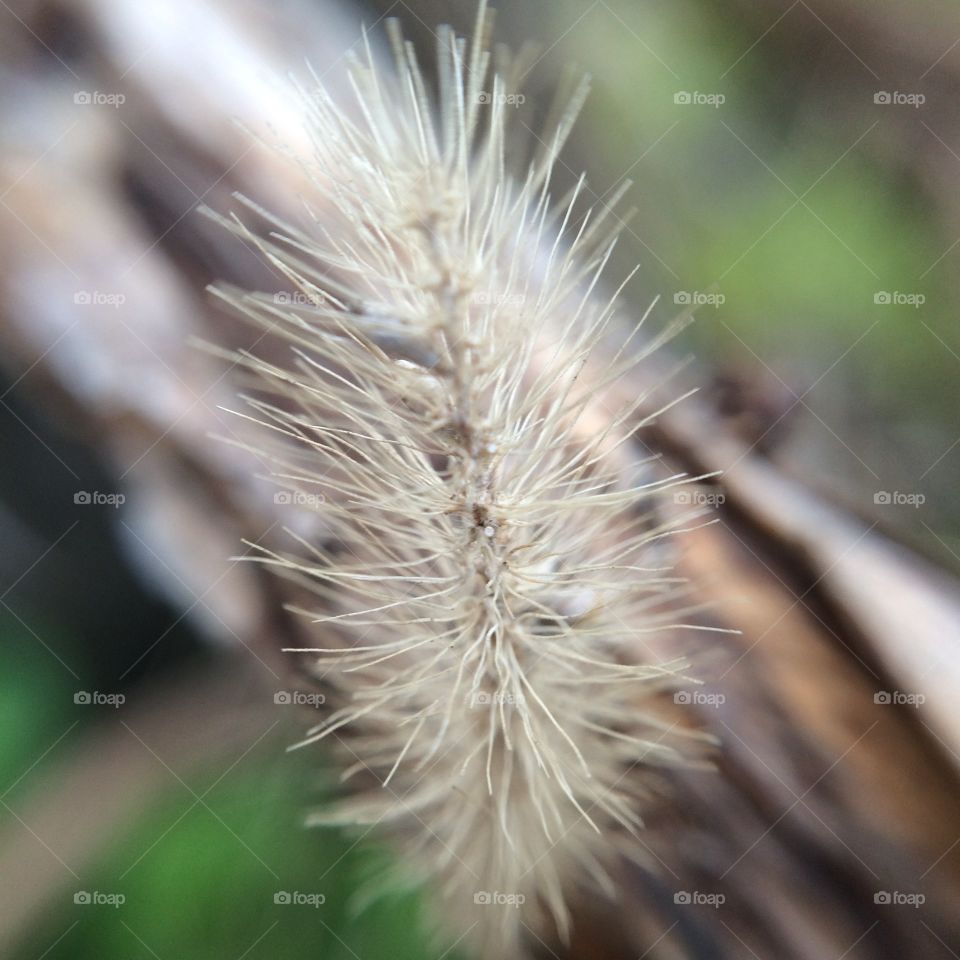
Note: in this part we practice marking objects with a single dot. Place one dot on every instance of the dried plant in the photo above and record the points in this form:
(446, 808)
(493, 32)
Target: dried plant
(492, 592)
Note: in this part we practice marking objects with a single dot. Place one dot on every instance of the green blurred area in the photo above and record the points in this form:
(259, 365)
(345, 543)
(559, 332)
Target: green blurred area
(804, 205)
(202, 870)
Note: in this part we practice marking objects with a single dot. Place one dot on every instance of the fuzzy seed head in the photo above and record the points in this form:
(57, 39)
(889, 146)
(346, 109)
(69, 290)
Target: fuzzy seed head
(487, 584)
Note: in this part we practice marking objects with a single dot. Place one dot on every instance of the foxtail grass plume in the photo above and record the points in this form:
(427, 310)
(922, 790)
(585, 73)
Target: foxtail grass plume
(490, 596)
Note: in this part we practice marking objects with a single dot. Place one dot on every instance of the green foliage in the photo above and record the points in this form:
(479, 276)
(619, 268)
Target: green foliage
(199, 879)
(200, 882)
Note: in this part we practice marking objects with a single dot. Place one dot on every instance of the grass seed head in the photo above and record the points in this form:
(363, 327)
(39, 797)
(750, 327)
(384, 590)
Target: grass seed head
(489, 594)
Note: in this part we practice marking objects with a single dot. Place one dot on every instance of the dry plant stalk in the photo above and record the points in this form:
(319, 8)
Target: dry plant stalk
(491, 573)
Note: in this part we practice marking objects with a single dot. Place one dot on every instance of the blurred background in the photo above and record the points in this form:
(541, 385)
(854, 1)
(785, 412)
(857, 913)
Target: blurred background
(794, 171)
